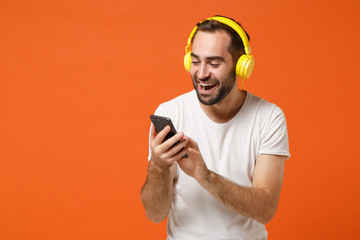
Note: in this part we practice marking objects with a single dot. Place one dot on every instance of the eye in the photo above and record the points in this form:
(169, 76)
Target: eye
(215, 65)
(195, 62)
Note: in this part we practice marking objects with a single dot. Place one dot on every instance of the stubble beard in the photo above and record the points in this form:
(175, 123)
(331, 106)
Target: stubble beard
(222, 91)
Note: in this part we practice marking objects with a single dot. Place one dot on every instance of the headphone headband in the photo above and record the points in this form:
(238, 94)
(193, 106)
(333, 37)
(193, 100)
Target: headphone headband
(237, 29)
(229, 23)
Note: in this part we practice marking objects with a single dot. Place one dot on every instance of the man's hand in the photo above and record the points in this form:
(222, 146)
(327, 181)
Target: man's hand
(194, 165)
(156, 193)
(258, 202)
(164, 155)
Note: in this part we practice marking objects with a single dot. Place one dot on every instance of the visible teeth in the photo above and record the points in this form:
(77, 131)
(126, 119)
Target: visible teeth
(205, 85)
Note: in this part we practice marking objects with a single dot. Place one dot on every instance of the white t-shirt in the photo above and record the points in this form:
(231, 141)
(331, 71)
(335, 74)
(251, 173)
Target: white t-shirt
(229, 149)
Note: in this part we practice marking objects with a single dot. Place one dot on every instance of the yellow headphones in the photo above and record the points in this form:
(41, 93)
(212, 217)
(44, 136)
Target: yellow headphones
(245, 64)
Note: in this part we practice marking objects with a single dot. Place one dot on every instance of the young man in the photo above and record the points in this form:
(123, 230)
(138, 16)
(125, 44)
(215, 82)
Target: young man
(229, 185)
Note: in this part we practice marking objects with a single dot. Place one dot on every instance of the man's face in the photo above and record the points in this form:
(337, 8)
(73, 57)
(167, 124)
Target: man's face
(212, 66)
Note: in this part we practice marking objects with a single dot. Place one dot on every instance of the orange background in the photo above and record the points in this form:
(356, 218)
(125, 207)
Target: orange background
(79, 79)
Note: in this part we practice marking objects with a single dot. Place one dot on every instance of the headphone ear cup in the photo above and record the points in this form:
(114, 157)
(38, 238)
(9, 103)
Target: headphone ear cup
(187, 61)
(245, 66)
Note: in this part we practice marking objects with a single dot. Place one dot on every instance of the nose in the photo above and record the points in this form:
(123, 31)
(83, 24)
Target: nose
(203, 71)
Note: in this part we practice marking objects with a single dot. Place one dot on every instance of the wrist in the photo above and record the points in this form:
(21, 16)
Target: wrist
(154, 166)
(205, 177)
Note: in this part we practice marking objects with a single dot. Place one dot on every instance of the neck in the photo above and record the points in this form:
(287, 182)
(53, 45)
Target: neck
(227, 108)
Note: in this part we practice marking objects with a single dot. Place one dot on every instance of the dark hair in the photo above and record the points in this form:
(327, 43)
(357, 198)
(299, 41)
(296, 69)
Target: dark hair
(236, 47)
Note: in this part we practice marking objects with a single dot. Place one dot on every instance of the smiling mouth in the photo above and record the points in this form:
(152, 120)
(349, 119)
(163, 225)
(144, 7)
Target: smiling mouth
(206, 86)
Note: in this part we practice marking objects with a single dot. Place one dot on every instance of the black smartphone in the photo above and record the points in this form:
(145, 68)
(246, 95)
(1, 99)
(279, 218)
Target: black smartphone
(160, 123)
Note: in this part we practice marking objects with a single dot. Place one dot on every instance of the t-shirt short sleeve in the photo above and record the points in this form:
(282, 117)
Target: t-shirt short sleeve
(274, 137)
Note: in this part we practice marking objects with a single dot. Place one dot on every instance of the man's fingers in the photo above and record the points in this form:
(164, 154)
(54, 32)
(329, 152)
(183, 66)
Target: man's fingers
(170, 147)
(174, 139)
(173, 145)
(192, 143)
(152, 132)
(161, 135)
(182, 154)
(178, 147)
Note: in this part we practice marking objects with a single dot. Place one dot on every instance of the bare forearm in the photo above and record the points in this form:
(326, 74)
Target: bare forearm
(256, 203)
(156, 193)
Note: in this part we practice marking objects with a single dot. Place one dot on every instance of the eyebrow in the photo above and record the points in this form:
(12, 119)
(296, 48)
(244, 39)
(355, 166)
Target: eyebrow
(209, 58)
